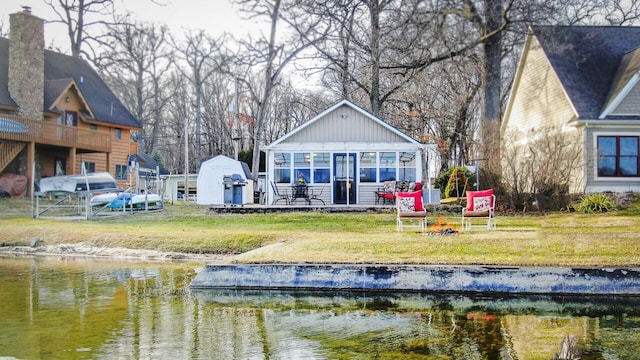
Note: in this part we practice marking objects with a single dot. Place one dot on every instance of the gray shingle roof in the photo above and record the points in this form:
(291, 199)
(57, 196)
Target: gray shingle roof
(586, 60)
(151, 164)
(59, 69)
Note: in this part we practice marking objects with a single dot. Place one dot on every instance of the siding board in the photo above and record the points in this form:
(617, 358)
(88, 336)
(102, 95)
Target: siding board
(344, 125)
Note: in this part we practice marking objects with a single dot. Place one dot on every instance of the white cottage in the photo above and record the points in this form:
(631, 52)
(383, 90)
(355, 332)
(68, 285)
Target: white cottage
(344, 154)
(221, 177)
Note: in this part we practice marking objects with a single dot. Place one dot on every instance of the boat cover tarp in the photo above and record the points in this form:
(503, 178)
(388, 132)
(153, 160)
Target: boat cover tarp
(11, 126)
(14, 184)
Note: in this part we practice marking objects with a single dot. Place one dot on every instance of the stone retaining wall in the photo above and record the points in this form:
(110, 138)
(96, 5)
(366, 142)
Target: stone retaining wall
(423, 278)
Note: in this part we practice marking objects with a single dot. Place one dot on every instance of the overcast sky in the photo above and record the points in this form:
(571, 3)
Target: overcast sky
(213, 16)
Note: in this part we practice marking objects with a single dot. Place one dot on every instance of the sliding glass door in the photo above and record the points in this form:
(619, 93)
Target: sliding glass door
(344, 170)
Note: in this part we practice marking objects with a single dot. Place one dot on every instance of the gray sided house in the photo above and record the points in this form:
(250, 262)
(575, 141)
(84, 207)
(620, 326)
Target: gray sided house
(345, 153)
(574, 109)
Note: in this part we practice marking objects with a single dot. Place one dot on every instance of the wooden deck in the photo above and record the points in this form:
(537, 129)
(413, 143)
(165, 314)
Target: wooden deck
(50, 133)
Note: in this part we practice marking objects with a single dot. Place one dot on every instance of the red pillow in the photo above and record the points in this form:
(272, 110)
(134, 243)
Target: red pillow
(472, 194)
(417, 196)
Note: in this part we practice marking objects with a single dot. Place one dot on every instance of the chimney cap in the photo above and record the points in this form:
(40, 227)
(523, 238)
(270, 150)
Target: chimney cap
(26, 9)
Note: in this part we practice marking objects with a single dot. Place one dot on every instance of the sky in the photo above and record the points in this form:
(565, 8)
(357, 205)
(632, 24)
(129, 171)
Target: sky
(212, 16)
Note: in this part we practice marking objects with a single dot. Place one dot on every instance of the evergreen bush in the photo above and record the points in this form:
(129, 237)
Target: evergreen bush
(452, 181)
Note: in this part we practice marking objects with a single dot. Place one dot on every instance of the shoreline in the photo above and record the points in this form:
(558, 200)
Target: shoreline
(218, 272)
(92, 251)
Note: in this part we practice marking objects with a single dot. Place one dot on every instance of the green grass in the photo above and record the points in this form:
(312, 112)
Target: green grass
(556, 239)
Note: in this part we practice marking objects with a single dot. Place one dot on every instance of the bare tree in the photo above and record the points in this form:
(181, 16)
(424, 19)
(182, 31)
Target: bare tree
(175, 132)
(273, 55)
(136, 61)
(544, 168)
(201, 55)
(79, 16)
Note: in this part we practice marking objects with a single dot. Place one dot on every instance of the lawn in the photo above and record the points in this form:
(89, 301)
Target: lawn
(554, 239)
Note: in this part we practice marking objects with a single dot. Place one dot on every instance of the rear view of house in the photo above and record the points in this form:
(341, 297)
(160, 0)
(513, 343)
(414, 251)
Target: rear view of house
(344, 154)
(63, 116)
(572, 122)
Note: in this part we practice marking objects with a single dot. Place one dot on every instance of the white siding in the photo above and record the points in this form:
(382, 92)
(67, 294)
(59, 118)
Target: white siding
(538, 101)
(344, 124)
(630, 105)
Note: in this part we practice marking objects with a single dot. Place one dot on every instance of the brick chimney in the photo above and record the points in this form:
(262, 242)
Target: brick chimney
(26, 63)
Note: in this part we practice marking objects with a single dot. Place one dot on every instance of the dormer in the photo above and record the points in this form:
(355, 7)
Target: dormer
(624, 96)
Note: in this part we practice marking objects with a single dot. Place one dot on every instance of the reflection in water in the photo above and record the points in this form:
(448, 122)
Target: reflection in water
(92, 309)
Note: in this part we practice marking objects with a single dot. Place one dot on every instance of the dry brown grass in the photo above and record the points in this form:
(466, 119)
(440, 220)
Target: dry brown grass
(558, 239)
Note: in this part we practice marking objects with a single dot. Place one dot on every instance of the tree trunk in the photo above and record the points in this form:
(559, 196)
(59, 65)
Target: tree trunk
(268, 88)
(374, 96)
(490, 127)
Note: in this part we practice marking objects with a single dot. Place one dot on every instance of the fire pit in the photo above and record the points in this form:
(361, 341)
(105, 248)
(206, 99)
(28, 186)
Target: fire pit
(442, 227)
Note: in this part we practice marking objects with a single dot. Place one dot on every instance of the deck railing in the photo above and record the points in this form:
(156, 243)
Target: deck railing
(47, 132)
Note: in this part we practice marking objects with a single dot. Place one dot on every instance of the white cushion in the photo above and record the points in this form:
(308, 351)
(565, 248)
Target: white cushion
(481, 203)
(406, 204)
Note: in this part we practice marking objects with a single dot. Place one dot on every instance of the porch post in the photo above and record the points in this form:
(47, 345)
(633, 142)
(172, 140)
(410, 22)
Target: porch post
(31, 158)
(71, 164)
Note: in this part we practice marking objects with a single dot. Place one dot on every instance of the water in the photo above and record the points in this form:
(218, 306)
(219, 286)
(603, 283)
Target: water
(67, 308)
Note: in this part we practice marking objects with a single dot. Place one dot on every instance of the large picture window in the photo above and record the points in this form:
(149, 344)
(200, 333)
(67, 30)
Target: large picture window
(617, 156)
(321, 167)
(282, 169)
(368, 167)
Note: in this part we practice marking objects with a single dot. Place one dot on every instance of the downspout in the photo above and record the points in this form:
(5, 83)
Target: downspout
(585, 157)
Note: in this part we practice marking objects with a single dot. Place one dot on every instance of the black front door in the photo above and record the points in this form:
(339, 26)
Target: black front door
(344, 182)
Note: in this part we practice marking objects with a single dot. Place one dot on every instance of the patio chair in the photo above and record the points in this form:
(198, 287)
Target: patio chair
(387, 192)
(480, 205)
(278, 195)
(314, 196)
(409, 209)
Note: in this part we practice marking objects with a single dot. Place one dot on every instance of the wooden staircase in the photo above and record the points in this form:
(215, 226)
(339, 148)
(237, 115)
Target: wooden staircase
(8, 151)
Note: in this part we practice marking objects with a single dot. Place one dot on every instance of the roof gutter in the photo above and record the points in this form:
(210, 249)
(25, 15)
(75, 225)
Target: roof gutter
(608, 123)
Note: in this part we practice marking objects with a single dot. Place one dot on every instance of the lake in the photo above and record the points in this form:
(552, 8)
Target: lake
(83, 308)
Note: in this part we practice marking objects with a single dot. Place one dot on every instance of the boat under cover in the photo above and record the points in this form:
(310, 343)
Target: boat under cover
(13, 127)
(75, 183)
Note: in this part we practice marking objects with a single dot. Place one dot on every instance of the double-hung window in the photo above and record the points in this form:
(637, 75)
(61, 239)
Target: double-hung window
(121, 172)
(89, 167)
(618, 156)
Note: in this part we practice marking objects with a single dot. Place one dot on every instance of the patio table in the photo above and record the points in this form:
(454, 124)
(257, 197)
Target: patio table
(300, 191)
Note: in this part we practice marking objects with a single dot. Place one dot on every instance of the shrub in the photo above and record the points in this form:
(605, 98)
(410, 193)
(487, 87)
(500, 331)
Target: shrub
(454, 181)
(442, 180)
(595, 203)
